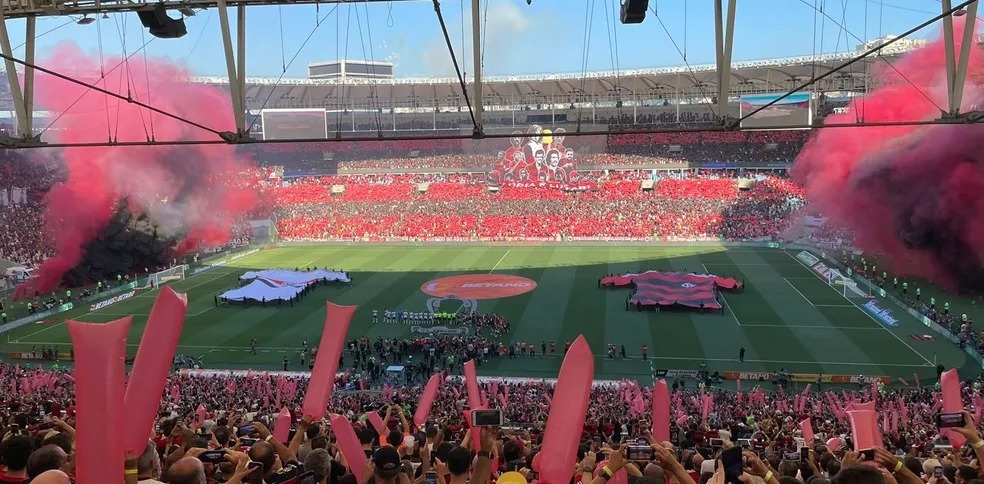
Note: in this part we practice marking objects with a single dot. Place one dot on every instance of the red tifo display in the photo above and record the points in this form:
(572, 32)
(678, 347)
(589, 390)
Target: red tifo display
(654, 288)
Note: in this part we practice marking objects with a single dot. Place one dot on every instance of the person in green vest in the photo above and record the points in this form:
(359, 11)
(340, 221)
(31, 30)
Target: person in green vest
(99, 287)
(905, 288)
(119, 279)
(946, 308)
(895, 283)
(963, 317)
(918, 293)
(68, 295)
(932, 303)
(4, 317)
(30, 307)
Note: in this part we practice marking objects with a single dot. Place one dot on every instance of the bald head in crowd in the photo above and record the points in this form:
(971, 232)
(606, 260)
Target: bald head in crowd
(187, 470)
(48, 457)
(52, 477)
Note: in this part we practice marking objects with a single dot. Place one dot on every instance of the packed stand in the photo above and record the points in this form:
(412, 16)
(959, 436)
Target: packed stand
(211, 428)
(685, 206)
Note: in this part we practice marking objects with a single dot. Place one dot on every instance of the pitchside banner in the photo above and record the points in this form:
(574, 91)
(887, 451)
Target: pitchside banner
(294, 124)
(794, 110)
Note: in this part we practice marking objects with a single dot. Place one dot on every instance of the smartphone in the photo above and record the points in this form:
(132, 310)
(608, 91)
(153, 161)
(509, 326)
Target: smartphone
(868, 454)
(745, 443)
(246, 430)
(212, 456)
(46, 426)
(949, 420)
(804, 454)
(717, 442)
(533, 476)
(731, 459)
(247, 443)
(254, 474)
(640, 453)
(938, 472)
(486, 418)
(14, 429)
(431, 477)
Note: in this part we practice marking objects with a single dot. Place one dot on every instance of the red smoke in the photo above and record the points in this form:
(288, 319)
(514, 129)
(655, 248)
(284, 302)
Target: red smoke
(912, 193)
(198, 182)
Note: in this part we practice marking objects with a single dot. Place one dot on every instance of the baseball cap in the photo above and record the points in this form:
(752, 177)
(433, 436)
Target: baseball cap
(387, 460)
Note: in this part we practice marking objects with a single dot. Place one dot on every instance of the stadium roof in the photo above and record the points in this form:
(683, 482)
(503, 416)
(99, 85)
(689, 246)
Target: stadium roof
(769, 75)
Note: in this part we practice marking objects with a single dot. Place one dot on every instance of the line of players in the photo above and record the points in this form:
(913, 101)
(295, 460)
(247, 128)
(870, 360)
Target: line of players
(415, 317)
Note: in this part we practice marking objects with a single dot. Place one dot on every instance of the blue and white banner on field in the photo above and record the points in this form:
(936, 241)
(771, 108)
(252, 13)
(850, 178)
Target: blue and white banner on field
(884, 316)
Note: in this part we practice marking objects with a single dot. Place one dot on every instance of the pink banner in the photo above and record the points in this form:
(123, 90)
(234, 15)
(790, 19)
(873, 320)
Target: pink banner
(427, 400)
(322, 380)
(281, 428)
(151, 366)
(952, 403)
(565, 422)
(661, 412)
(806, 426)
(378, 424)
(100, 354)
(864, 423)
(348, 442)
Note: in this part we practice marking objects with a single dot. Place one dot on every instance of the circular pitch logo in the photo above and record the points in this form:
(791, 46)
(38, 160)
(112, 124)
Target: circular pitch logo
(479, 286)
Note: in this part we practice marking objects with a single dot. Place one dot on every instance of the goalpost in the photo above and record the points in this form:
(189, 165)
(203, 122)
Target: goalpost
(175, 273)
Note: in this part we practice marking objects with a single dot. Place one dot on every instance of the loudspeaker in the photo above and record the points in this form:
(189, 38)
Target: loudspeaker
(634, 11)
(160, 24)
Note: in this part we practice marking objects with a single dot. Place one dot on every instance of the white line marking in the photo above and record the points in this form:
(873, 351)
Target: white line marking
(203, 311)
(98, 311)
(807, 326)
(835, 305)
(732, 311)
(877, 323)
(798, 292)
(500, 261)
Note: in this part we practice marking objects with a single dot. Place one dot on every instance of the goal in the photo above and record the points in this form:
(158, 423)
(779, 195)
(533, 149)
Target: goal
(175, 273)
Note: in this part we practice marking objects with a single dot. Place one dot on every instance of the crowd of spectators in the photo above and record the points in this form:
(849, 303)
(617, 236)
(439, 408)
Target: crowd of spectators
(237, 414)
(703, 204)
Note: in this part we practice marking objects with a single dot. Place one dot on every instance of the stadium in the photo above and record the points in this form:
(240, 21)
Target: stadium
(741, 271)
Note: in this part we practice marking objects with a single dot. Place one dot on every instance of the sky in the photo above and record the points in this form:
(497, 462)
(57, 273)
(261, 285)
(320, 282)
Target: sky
(547, 36)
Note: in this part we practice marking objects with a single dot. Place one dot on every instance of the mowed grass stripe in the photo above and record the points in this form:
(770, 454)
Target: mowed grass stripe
(546, 309)
(792, 309)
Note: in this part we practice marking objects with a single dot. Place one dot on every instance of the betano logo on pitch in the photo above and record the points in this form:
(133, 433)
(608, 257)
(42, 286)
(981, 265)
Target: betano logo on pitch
(479, 286)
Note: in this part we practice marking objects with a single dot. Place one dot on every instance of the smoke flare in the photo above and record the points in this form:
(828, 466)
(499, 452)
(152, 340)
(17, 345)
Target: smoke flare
(191, 193)
(912, 193)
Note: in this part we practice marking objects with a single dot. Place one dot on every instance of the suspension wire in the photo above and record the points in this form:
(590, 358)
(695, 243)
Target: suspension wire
(283, 51)
(613, 54)
(102, 77)
(485, 30)
(859, 58)
(693, 75)
(282, 74)
(897, 71)
(373, 89)
(585, 54)
(454, 60)
(143, 38)
(131, 90)
(108, 93)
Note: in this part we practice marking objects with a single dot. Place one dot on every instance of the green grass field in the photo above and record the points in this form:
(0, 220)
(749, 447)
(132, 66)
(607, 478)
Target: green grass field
(788, 317)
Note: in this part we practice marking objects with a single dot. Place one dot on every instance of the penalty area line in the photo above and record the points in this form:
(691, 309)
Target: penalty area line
(500, 261)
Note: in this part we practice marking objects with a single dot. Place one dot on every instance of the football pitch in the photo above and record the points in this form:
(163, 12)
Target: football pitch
(788, 317)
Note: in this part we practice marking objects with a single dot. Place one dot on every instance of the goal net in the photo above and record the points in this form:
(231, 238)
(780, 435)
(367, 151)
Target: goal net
(168, 275)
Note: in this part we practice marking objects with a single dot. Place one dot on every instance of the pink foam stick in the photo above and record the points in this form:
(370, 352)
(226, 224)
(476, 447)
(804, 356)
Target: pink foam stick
(100, 354)
(661, 412)
(565, 422)
(322, 380)
(952, 403)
